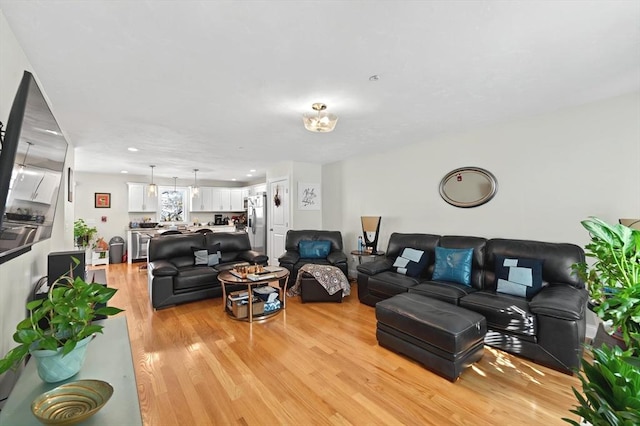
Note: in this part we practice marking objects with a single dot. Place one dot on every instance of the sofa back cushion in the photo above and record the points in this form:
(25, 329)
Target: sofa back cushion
(294, 237)
(557, 259)
(478, 245)
(230, 242)
(174, 246)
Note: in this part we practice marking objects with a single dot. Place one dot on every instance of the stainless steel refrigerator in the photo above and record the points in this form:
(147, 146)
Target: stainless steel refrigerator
(257, 222)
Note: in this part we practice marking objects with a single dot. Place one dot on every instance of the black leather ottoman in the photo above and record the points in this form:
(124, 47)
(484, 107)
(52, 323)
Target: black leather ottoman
(443, 337)
(312, 291)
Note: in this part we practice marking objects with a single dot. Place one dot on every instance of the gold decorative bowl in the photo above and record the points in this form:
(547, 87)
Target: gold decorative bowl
(72, 402)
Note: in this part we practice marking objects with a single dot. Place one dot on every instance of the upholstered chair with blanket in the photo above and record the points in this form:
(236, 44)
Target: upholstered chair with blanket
(317, 247)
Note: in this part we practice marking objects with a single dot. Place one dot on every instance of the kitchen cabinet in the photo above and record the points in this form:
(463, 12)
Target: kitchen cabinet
(221, 199)
(236, 200)
(203, 202)
(139, 200)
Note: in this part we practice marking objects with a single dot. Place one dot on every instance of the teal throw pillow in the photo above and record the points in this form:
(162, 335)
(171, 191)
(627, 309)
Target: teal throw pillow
(319, 249)
(453, 265)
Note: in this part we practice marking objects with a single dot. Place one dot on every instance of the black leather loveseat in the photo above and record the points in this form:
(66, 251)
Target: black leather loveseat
(292, 260)
(172, 273)
(549, 328)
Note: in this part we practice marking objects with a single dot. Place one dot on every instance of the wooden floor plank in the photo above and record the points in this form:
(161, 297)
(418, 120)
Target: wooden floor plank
(314, 363)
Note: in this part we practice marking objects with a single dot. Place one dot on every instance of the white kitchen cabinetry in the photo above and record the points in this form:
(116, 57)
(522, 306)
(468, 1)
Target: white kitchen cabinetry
(237, 200)
(221, 199)
(203, 202)
(139, 200)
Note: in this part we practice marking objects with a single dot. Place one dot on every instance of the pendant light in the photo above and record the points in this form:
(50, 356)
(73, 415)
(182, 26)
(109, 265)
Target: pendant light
(24, 161)
(153, 188)
(195, 190)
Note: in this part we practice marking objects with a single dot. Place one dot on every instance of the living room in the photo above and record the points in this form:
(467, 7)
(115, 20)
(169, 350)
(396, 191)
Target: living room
(554, 166)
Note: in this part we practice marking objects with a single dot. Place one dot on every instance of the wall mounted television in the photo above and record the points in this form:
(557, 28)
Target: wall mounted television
(31, 171)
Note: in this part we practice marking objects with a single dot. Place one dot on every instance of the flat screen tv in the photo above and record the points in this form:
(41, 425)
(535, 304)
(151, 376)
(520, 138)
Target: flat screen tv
(31, 171)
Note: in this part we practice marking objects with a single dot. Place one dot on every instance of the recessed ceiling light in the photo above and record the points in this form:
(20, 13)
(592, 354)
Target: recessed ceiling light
(252, 170)
(249, 175)
(234, 179)
(123, 171)
(132, 149)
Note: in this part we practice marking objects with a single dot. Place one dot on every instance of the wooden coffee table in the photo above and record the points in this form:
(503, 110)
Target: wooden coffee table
(227, 278)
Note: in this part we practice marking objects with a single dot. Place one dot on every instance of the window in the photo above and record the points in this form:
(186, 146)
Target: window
(172, 203)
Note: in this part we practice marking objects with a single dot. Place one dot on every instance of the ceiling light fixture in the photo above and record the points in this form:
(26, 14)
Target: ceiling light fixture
(23, 165)
(321, 122)
(132, 149)
(153, 188)
(195, 188)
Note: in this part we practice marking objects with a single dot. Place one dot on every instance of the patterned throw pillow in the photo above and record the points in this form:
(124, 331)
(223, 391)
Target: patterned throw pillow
(411, 262)
(518, 276)
(453, 265)
(209, 256)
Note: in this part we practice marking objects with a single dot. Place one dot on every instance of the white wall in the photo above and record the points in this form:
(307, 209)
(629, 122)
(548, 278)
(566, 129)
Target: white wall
(553, 171)
(19, 275)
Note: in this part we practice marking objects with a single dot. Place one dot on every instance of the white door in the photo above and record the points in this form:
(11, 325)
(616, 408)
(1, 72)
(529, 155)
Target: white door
(277, 218)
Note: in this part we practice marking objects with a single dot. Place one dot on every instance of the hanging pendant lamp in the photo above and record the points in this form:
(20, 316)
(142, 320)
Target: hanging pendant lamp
(153, 188)
(195, 190)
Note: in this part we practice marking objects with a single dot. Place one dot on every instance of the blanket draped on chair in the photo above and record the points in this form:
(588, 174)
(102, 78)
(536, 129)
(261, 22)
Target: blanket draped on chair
(329, 277)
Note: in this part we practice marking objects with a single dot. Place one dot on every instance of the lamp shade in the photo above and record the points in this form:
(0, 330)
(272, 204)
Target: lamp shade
(630, 223)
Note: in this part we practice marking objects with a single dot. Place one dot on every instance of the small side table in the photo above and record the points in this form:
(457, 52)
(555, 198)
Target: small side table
(366, 254)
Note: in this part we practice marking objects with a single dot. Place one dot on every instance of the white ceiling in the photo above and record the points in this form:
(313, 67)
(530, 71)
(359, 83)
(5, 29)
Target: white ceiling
(221, 85)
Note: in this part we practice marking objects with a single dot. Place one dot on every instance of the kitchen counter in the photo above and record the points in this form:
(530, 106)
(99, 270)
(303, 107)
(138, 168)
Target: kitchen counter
(137, 238)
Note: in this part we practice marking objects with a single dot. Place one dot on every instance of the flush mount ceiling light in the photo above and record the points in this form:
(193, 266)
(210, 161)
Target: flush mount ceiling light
(153, 188)
(322, 121)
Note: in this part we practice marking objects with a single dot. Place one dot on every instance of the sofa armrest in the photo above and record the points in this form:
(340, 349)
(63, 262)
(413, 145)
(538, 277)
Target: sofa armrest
(253, 256)
(560, 301)
(290, 257)
(337, 257)
(162, 268)
(375, 267)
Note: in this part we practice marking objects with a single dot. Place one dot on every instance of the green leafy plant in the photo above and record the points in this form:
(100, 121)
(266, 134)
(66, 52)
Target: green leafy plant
(610, 389)
(83, 233)
(613, 280)
(69, 309)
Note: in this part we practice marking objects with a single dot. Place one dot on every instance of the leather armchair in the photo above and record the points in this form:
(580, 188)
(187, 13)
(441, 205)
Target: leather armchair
(293, 262)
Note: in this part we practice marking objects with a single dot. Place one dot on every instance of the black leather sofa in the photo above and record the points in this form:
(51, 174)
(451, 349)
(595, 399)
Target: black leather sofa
(293, 262)
(173, 277)
(548, 329)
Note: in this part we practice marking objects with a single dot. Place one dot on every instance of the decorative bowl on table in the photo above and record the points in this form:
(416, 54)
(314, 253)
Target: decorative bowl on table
(72, 402)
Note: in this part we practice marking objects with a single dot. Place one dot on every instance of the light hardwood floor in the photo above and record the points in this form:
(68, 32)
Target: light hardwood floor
(313, 364)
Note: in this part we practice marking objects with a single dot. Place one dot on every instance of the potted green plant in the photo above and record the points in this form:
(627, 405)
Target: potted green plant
(60, 326)
(613, 280)
(83, 233)
(611, 383)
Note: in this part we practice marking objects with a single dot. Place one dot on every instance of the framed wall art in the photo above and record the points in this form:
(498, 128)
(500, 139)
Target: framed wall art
(309, 196)
(102, 200)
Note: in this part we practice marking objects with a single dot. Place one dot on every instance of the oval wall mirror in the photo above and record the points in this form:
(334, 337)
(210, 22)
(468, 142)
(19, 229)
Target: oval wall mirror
(468, 187)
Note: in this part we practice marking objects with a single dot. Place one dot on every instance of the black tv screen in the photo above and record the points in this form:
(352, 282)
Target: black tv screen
(31, 171)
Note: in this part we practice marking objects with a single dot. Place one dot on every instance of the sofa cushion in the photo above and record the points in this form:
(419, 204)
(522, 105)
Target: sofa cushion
(387, 284)
(411, 262)
(445, 291)
(503, 312)
(518, 276)
(193, 277)
(318, 249)
(200, 255)
(453, 265)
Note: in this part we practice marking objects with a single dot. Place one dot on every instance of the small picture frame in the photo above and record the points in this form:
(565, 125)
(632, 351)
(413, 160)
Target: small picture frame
(102, 200)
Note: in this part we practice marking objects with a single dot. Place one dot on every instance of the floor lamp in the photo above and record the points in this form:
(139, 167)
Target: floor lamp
(371, 231)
